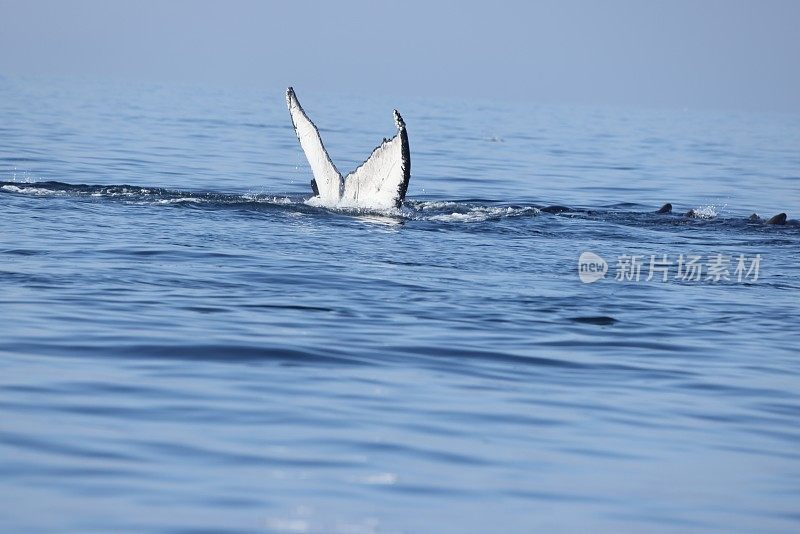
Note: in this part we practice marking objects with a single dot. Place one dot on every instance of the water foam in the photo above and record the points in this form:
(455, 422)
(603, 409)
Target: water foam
(37, 191)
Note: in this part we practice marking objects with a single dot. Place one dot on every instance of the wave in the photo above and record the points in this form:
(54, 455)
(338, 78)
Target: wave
(438, 211)
(441, 211)
(138, 194)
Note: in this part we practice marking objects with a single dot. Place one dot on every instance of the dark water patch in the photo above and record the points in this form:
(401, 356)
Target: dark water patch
(23, 252)
(295, 307)
(620, 344)
(206, 309)
(58, 447)
(467, 354)
(600, 320)
(196, 352)
(730, 390)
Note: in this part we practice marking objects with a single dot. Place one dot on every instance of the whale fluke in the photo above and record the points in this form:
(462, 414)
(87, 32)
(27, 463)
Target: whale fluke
(380, 182)
(326, 176)
(666, 208)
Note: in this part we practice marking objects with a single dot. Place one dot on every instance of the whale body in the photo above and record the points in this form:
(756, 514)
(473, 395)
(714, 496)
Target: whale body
(379, 183)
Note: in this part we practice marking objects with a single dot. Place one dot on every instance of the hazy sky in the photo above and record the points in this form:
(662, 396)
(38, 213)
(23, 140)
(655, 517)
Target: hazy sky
(696, 54)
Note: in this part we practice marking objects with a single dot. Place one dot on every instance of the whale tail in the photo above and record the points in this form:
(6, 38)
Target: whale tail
(380, 182)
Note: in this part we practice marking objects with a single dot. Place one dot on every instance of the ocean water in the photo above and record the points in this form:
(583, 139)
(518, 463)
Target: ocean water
(185, 346)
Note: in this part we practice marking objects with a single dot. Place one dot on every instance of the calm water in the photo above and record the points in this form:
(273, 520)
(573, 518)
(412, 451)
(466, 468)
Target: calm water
(185, 346)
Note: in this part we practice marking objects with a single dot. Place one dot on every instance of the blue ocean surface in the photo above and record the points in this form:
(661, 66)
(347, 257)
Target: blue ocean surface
(186, 346)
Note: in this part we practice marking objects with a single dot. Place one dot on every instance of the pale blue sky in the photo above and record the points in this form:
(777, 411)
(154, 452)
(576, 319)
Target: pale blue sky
(697, 54)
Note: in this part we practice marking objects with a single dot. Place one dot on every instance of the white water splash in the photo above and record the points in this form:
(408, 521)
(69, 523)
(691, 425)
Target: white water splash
(37, 191)
(181, 200)
(704, 212)
(482, 213)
